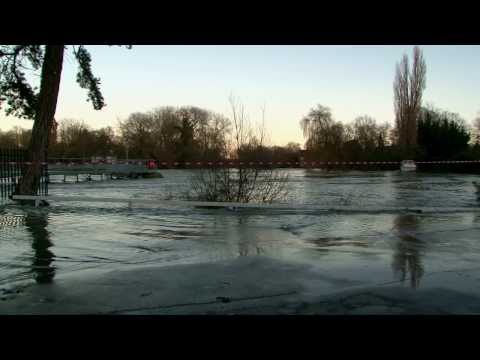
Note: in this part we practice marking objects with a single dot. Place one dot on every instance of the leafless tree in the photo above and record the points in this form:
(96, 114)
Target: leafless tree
(315, 127)
(476, 127)
(136, 132)
(408, 89)
(364, 128)
(324, 136)
(171, 133)
(247, 183)
(17, 137)
(368, 133)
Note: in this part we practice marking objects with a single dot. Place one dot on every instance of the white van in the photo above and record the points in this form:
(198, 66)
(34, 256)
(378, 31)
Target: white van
(408, 165)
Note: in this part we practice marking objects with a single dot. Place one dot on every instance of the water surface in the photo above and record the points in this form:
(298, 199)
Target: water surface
(39, 245)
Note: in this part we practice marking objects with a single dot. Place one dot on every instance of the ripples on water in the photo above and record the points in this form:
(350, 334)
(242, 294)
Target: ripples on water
(44, 243)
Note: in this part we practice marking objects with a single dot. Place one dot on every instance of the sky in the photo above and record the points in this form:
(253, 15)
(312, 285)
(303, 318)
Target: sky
(288, 80)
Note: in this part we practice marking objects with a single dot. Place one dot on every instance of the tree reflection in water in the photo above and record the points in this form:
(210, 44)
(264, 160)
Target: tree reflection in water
(248, 242)
(407, 251)
(42, 267)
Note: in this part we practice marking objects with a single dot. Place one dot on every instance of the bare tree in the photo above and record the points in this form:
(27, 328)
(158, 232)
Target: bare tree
(136, 132)
(408, 89)
(476, 128)
(245, 184)
(16, 137)
(315, 125)
(181, 134)
(324, 136)
(365, 131)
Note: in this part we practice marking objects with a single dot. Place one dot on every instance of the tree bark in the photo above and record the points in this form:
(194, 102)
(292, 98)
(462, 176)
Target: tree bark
(44, 119)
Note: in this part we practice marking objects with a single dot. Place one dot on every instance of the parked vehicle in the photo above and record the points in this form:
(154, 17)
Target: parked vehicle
(408, 165)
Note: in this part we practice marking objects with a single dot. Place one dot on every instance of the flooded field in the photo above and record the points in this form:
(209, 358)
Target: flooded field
(44, 245)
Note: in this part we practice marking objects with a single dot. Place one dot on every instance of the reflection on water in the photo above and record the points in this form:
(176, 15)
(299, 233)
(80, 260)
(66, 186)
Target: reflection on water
(247, 240)
(407, 254)
(42, 267)
(246, 249)
(111, 236)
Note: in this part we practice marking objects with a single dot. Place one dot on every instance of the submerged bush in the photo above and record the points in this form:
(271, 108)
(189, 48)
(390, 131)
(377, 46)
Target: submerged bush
(257, 184)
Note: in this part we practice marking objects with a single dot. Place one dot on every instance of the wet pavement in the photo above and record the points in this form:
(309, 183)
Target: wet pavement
(249, 285)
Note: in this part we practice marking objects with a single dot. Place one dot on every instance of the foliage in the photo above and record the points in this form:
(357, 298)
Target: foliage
(86, 80)
(441, 134)
(18, 63)
(20, 97)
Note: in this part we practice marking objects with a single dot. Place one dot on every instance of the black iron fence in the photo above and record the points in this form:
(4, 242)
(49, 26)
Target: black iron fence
(12, 162)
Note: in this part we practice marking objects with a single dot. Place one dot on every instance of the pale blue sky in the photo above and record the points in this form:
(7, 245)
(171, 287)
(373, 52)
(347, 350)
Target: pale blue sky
(289, 80)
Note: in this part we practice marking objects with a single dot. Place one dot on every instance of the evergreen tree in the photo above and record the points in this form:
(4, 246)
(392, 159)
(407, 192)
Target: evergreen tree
(26, 101)
(442, 135)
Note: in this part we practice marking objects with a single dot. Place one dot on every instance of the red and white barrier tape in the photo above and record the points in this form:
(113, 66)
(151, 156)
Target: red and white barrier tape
(304, 163)
(20, 163)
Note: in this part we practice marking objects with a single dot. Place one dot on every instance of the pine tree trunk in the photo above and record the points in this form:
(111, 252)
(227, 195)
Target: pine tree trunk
(44, 119)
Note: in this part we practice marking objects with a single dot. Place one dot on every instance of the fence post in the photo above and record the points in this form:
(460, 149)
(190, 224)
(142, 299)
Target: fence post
(18, 164)
(9, 167)
(14, 168)
(2, 173)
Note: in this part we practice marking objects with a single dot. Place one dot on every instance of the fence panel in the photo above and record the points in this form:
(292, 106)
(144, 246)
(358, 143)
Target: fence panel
(12, 161)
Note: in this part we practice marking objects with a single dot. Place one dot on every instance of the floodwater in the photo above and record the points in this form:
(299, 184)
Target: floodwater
(40, 245)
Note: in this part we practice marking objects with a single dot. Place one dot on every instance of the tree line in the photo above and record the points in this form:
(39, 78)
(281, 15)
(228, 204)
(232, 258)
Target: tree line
(420, 132)
(439, 135)
(190, 132)
(166, 133)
